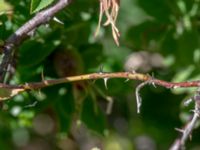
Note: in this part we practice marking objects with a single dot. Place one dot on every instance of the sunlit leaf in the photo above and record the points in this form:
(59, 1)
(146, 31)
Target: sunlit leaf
(37, 5)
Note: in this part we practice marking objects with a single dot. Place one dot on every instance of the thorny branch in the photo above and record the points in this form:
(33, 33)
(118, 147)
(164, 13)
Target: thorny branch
(179, 143)
(137, 94)
(110, 8)
(19, 36)
(15, 89)
(12, 90)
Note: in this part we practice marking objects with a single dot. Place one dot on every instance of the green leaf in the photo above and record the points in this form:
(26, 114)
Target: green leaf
(187, 43)
(33, 52)
(63, 105)
(37, 5)
(161, 13)
(90, 115)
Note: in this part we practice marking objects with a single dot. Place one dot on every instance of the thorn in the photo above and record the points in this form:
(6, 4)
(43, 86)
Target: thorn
(198, 113)
(187, 102)
(105, 82)
(126, 80)
(180, 130)
(154, 85)
(133, 71)
(31, 33)
(175, 87)
(43, 80)
(26, 86)
(31, 105)
(195, 112)
(57, 20)
(101, 69)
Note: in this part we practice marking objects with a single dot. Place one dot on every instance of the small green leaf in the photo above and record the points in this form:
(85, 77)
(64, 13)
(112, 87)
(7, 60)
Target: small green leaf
(37, 5)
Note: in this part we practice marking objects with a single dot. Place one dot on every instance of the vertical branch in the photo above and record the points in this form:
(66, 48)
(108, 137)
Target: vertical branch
(137, 94)
(22, 33)
(179, 143)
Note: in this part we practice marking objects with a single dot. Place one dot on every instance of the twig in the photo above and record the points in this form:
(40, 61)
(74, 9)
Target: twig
(179, 143)
(137, 94)
(20, 35)
(12, 90)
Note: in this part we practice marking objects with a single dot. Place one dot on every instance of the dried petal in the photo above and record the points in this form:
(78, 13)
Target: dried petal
(110, 8)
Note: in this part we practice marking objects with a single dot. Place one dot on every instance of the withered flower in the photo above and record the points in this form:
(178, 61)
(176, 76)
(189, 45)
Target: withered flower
(110, 8)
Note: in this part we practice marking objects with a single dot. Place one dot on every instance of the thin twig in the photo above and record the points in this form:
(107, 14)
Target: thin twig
(137, 94)
(15, 89)
(12, 90)
(20, 35)
(179, 143)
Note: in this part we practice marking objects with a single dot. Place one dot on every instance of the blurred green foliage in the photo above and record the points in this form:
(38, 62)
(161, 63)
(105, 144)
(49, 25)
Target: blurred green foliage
(73, 116)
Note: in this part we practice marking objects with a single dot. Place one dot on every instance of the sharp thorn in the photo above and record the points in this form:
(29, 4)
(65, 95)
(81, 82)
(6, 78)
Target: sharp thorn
(101, 69)
(187, 102)
(31, 105)
(57, 20)
(126, 80)
(180, 130)
(154, 85)
(105, 82)
(133, 71)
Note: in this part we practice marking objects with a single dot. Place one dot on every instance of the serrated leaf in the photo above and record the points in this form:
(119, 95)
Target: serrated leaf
(34, 4)
(37, 5)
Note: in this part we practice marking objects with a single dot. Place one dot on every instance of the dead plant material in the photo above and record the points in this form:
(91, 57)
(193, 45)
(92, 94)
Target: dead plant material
(110, 8)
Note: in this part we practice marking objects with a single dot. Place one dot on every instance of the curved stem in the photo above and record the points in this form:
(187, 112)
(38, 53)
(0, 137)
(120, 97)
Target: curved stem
(15, 89)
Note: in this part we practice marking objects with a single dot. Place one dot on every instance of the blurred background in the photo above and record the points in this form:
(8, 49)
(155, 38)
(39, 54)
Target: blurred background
(158, 37)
